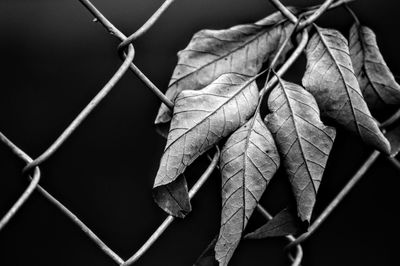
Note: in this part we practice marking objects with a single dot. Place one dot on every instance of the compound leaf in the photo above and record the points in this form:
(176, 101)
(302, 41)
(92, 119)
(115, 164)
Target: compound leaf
(303, 141)
(284, 223)
(249, 159)
(201, 118)
(330, 78)
(377, 83)
(241, 49)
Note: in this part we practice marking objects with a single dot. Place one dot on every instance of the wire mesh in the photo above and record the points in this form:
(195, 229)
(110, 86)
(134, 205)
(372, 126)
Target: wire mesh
(126, 51)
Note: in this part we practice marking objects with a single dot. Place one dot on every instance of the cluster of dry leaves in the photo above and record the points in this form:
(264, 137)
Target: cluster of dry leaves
(217, 100)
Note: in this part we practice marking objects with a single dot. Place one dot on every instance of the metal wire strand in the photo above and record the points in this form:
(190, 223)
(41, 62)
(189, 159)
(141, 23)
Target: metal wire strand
(160, 230)
(26, 158)
(288, 63)
(391, 120)
(316, 14)
(284, 10)
(328, 210)
(313, 14)
(115, 32)
(146, 26)
(394, 162)
(299, 251)
(28, 191)
(84, 113)
(359, 174)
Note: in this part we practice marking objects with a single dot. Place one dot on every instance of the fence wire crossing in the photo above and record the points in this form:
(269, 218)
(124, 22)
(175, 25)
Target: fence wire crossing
(126, 51)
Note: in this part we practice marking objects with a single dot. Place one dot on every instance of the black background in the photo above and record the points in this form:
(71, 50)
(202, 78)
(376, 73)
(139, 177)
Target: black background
(53, 60)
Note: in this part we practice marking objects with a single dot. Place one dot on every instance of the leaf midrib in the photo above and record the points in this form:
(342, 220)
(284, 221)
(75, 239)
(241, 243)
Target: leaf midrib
(299, 138)
(246, 147)
(321, 35)
(363, 47)
(247, 83)
(266, 30)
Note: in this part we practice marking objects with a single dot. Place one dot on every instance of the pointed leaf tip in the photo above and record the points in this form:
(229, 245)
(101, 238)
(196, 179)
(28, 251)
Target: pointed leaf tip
(303, 141)
(284, 223)
(249, 159)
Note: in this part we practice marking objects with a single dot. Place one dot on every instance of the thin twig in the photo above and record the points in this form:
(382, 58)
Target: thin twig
(21, 154)
(289, 62)
(276, 58)
(351, 12)
(146, 26)
(84, 113)
(328, 210)
(284, 10)
(160, 230)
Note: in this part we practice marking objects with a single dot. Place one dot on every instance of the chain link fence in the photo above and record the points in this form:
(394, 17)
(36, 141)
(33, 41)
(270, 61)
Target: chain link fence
(126, 51)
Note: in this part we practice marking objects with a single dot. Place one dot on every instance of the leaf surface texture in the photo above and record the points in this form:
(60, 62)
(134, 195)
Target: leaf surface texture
(303, 141)
(249, 159)
(201, 118)
(173, 198)
(330, 78)
(241, 49)
(377, 83)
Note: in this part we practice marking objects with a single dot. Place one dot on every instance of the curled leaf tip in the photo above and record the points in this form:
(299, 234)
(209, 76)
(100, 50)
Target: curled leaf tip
(201, 118)
(173, 198)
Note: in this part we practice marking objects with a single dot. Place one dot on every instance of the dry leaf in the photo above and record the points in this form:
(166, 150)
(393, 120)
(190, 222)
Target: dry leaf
(249, 160)
(284, 223)
(174, 197)
(303, 141)
(241, 49)
(330, 78)
(377, 83)
(201, 118)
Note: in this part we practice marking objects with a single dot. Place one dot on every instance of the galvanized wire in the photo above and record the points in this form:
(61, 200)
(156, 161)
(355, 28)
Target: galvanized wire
(127, 52)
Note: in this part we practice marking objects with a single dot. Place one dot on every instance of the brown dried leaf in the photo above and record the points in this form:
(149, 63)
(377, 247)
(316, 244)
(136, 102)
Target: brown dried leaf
(201, 118)
(249, 160)
(377, 83)
(330, 78)
(303, 141)
(284, 223)
(241, 49)
(173, 198)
